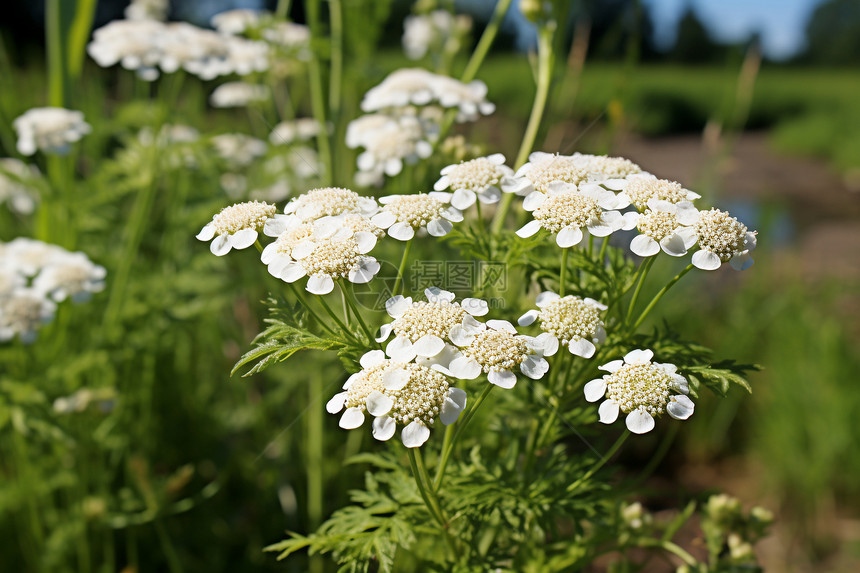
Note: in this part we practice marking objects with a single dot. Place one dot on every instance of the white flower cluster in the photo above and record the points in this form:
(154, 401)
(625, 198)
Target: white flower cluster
(280, 33)
(404, 114)
(238, 94)
(16, 185)
(482, 179)
(569, 195)
(238, 149)
(150, 47)
(439, 31)
(34, 277)
(49, 129)
(570, 320)
(147, 10)
(296, 130)
(642, 389)
(237, 226)
(403, 215)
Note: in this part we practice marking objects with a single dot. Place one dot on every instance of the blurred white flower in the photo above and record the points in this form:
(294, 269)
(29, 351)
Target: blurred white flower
(133, 43)
(722, 239)
(238, 94)
(565, 211)
(147, 10)
(438, 31)
(300, 129)
(481, 179)
(235, 22)
(402, 215)
(24, 311)
(569, 320)
(288, 35)
(389, 144)
(409, 396)
(72, 276)
(642, 389)
(49, 129)
(16, 189)
(29, 256)
(237, 226)
(238, 149)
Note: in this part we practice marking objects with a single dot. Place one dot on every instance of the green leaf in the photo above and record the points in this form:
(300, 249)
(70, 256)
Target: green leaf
(277, 343)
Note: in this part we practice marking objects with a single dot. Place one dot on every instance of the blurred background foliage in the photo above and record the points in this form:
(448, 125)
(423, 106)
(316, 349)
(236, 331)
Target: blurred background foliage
(195, 471)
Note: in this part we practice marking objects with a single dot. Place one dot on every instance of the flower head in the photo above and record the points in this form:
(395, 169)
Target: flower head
(238, 94)
(569, 320)
(497, 350)
(15, 185)
(642, 389)
(23, 311)
(237, 226)
(410, 396)
(640, 189)
(422, 329)
(402, 215)
(50, 129)
(439, 30)
(73, 275)
(565, 211)
(481, 179)
(238, 149)
(235, 22)
(722, 239)
(663, 225)
(329, 201)
(301, 129)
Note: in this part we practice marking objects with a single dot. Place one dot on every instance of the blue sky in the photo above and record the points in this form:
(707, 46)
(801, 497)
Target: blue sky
(782, 22)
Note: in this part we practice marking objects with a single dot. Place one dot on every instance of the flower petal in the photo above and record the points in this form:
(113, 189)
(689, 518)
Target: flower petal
(372, 358)
(415, 434)
(673, 245)
(401, 349)
(320, 284)
(706, 260)
(534, 366)
(395, 379)
(463, 199)
(475, 306)
(366, 241)
(639, 421)
(428, 345)
(207, 233)
(378, 404)
(581, 347)
(502, 325)
(351, 419)
(243, 238)
(454, 404)
(529, 229)
(401, 231)
(534, 200)
(335, 405)
(608, 411)
(528, 318)
(384, 332)
(503, 379)
(220, 245)
(595, 389)
(569, 236)
(291, 272)
(680, 407)
(384, 428)
(644, 246)
(546, 297)
(397, 305)
(465, 368)
(439, 227)
(639, 356)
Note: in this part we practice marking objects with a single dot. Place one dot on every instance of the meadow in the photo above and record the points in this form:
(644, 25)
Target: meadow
(128, 446)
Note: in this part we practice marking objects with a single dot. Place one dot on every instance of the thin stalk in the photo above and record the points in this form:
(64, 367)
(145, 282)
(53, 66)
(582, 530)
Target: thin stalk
(54, 42)
(318, 105)
(345, 307)
(310, 310)
(659, 295)
(282, 11)
(423, 489)
(335, 10)
(351, 302)
(601, 256)
(562, 271)
(486, 41)
(314, 469)
(401, 268)
(671, 548)
(335, 318)
(173, 562)
(446, 453)
(642, 272)
(79, 32)
(544, 79)
(606, 457)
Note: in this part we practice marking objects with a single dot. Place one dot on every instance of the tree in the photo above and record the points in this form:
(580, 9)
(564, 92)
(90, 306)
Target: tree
(833, 33)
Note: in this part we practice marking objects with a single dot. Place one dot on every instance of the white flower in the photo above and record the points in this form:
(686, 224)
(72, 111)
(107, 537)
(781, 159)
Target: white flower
(610, 172)
(327, 201)
(565, 211)
(410, 396)
(132, 43)
(23, 311)
(642, 389)
(389, 142)
(50, 129)
(722, 239)
(72, 276)
(481, 179)
(29, 256)
(568, 320)
(237, 226)
(422, 329)
(416, 86)
(300, 129)
(238, 149)
(403, 214)
(323, 252)
(15, 188)
(644, 187)
(235, 22)
(497, 350)
(10, 278)
(665, 226)
(439, 30)
(542, 169)
(288, 35)
(238, 94)
(147, 10)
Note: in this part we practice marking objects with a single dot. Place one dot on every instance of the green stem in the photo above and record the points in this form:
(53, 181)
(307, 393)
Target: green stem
(173, 562)
(446, 452)
(545, 35)
(308, 307)
(396, 290)
(314, 440)
(606, 457)
(671, 548)
(56, 64)
(423, 489)
(79, 33)
(335, 318)
(486, 41)
(601, 256)
(562, 271)
(336, 73)
(318, 105)
(351, 302)
(642, 271)
(282, 11)
(659, 295)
